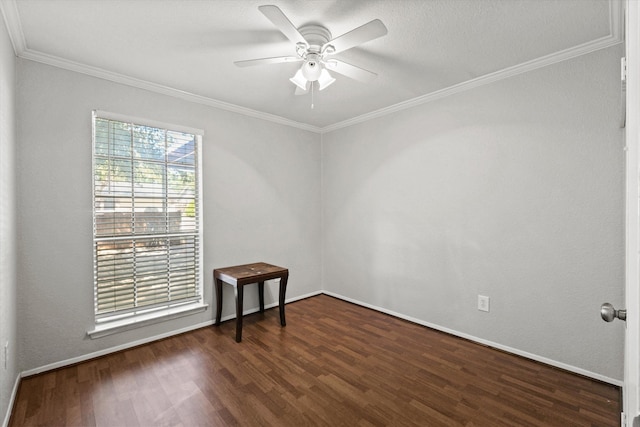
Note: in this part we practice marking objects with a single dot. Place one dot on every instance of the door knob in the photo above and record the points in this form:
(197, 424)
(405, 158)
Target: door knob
(608, 313)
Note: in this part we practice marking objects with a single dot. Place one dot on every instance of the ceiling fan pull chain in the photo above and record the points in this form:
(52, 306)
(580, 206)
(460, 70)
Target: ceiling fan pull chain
(312, 95)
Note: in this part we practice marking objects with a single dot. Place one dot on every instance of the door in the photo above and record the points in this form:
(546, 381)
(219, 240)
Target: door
(631, 390)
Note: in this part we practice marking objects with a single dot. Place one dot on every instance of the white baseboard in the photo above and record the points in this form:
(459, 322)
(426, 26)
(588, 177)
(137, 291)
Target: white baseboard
(89, 356)
(12, 400)
(515, 351)
(508, 349)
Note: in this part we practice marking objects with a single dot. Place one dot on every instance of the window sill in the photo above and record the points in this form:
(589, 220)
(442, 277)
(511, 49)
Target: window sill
(117, 326)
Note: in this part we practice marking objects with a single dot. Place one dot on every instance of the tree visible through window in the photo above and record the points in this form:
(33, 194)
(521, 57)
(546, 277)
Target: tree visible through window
(146, 216)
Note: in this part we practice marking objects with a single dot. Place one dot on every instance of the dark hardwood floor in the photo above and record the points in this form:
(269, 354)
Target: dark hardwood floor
(334, 364)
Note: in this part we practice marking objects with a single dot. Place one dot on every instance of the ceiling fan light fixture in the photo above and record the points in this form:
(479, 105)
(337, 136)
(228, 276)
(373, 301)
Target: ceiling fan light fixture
(299, 80)
(312, 67)
(331, 64)
(325, 79)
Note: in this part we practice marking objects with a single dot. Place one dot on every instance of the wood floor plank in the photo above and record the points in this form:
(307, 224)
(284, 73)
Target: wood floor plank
(334, 364)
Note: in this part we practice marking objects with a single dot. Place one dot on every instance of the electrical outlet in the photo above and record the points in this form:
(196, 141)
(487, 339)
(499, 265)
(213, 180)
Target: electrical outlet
(483, 303)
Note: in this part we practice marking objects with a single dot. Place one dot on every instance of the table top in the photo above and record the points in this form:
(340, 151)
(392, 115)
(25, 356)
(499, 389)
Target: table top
(249, 273)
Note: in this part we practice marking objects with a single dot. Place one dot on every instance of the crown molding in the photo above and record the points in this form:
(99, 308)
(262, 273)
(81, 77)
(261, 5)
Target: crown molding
(11, 16)
(9, 10)
(616, 19)
(616, 36)
(161, 89)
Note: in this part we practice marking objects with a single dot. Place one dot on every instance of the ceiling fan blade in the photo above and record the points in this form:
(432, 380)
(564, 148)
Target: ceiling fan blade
(279, 19)
(369, 31)
(351, 71)
(264, 61)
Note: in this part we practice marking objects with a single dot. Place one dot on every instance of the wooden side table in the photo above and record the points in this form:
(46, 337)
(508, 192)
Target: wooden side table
(241, 275)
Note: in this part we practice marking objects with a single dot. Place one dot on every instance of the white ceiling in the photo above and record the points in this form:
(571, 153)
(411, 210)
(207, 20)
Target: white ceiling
(187, 48)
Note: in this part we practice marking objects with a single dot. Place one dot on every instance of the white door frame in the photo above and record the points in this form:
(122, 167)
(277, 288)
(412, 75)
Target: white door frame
(631, 390)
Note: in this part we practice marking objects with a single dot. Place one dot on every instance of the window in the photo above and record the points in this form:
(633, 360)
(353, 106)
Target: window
(146, 217)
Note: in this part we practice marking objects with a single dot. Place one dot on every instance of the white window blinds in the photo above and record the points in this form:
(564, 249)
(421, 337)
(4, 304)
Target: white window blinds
(146, 216)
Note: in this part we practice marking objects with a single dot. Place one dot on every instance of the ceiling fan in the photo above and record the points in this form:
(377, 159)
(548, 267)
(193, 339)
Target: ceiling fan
(315, 48)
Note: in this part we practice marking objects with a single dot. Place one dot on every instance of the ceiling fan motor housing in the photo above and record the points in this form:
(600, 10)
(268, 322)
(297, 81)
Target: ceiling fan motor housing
(316, 35)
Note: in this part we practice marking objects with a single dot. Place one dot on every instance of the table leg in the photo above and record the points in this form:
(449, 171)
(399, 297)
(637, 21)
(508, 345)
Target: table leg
(261, 295)
(239, 291)
(283, 290)
(218, 284)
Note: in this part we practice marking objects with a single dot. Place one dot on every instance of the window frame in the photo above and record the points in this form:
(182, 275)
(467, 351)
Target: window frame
(141, 316)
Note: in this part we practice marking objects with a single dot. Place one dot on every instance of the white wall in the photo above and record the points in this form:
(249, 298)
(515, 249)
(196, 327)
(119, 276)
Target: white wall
(512, 190)
(261, 184)
(8, 254)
